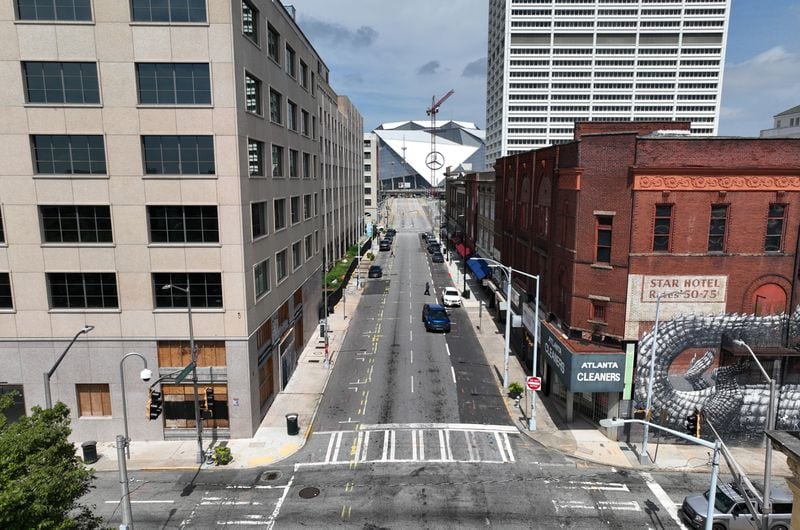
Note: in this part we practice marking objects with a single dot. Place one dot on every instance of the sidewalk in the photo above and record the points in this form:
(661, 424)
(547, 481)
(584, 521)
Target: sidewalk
(581, 439)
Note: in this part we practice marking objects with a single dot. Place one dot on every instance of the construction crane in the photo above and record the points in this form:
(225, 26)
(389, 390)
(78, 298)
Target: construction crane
(435, 160)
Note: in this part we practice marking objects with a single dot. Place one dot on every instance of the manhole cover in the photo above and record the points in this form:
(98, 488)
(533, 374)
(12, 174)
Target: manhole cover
(309, 493)
(270, 475)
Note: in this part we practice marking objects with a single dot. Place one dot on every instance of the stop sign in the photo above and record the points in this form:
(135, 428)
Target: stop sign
(534, 383)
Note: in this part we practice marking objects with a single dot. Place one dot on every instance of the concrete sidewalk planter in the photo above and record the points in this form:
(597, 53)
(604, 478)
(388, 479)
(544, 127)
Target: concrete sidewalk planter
(515, 390)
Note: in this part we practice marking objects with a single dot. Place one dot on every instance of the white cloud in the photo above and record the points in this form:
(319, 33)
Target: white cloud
(757, 89)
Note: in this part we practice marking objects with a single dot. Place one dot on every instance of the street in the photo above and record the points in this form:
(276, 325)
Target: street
(412, 432)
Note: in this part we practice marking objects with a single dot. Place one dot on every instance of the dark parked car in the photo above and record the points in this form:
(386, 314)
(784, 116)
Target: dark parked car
(391, 232)
(375, 271)
(435, 318)
(385, 245)
(437, 257)
(434, 247)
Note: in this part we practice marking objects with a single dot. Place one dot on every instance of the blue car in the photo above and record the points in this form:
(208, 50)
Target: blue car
(435, 318)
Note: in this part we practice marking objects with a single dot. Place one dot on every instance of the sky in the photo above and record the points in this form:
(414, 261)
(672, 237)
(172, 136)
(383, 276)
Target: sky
(391, 58)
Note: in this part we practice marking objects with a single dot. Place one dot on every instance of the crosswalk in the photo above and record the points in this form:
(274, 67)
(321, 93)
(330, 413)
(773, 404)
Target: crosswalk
(439, 443)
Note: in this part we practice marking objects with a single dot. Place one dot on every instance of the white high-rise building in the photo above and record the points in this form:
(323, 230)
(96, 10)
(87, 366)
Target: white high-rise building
(554, 62)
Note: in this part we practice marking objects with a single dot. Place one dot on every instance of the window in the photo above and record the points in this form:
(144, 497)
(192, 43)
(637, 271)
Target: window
(169, 10)
(76, 224)
(258, 214)
(252, 94)
(662, 228)
(316, 204)
(291, 67)
(297, 255)
(205, 288)
(306, 166)
(307, 206)
(69, 154)
(5, 291)
(255, 158)
(53, 82)
(367, 191)
(291, 115)
(277, 160)
(775, 218)
(599, 311)
(280, 265)
(2, 232)
(261, 278)
(275, 99)
(61, 10)
(173, 83)
(316, 241)
(93, 400)
(716, 228)
(367, 202)
(603, 249)
(303, 74)
(293, 163)
(280, 214)
(309, 250)
(178, 155)
(250, 21)
(82, 290)
(295, 209)
(273, 41)
(183, 224)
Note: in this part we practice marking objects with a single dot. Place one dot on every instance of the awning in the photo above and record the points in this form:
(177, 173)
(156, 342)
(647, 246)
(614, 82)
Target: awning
(463, 250)
(475, 265)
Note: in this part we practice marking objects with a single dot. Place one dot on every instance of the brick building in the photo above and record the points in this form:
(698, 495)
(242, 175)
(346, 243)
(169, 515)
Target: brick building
(632, 213)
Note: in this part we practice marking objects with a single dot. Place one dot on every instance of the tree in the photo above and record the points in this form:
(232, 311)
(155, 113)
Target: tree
(41, 477)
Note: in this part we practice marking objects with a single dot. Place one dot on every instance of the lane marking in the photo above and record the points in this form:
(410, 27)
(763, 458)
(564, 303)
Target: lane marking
(413, 445)
(421, 445)
(442, 449)
(412, 384)
(469, 446)
(393, 446)
(412, 356)
(279, 504)
(411, 335)
(500, 447)
(335, 455)
(447, 444)
(142, 502)
(453, 371)
(446, 347)
(433, 426)
(366, 448)
(359, 442)
(663, 498)
(330, 446)
(385, 445)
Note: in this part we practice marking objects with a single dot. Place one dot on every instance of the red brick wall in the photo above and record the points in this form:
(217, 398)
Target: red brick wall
(638, 127)
(719, 153)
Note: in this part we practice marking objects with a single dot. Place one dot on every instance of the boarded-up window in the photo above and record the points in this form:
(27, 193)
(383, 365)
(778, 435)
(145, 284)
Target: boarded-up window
(174, 354)
(264, 334)
(283, 313)
(266, 381)
(179, 406)
(93, 400)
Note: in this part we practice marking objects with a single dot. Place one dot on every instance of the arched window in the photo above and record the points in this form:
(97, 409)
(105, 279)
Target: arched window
(769, 299)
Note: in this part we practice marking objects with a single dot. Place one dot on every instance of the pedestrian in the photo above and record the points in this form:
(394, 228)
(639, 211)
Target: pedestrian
(427, 289)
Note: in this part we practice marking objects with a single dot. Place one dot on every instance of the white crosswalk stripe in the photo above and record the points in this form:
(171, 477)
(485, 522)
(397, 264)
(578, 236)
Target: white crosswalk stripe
(418, 443)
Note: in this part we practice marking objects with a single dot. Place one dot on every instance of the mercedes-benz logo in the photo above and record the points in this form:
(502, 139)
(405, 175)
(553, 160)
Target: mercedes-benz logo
(434, 160)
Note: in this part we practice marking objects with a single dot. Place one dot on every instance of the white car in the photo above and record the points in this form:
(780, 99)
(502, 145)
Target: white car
(450, 297)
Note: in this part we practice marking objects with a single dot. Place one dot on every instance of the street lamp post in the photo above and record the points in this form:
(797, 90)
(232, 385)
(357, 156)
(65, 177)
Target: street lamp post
(145, 375)
(715, 445)
(507, 347)
(197, 420)
(767, 505)
(48, 374)
(644, 458)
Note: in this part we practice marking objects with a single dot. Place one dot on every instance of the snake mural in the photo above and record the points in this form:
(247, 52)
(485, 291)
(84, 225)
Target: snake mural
(731, 406)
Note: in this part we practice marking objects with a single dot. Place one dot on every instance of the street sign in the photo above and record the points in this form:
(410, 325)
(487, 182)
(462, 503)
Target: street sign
(185, 372)
(533, 382)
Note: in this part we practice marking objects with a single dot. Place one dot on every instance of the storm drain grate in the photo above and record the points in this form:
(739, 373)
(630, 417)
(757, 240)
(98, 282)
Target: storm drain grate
(309, 493)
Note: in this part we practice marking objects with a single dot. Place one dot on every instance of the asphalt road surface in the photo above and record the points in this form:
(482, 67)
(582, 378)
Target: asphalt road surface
(412, 432)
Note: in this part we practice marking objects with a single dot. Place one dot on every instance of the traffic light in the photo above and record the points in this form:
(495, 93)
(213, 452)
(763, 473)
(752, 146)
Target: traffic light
(155, 402)
(210, 400)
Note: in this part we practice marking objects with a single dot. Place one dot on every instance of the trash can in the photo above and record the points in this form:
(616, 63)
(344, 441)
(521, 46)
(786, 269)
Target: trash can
(292, 428)
(89, 452)
(465, 293)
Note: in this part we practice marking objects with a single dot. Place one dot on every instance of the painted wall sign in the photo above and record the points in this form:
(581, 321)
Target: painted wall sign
(583, 372)
(696, 289)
